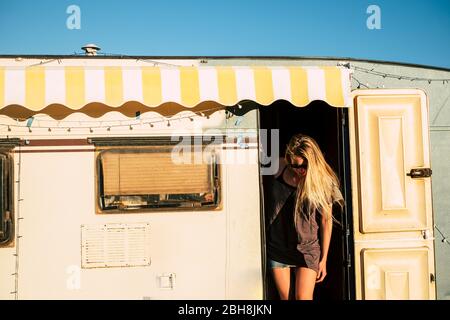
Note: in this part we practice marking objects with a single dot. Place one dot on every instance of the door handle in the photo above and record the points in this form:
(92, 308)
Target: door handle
(416, 173)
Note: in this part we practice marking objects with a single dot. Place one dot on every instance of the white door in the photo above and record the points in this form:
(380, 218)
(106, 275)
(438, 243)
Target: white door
(391, 191)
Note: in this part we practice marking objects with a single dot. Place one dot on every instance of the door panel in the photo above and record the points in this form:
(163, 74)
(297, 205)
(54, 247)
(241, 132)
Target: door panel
(396, 274)
(391, 142)
(394, 254)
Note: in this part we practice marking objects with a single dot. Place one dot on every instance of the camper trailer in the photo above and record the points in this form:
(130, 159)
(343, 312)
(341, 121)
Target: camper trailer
(144, 177)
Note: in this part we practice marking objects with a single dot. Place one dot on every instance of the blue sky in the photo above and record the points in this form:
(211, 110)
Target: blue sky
(413, 31)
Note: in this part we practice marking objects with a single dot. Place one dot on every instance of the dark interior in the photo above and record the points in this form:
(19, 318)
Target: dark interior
(327, 126)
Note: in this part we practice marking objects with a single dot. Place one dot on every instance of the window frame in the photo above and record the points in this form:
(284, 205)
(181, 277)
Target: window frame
(6, 207)
(216, 180)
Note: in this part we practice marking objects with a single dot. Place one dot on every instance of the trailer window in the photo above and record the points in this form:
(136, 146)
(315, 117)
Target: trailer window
(6, 223)
(152, 178)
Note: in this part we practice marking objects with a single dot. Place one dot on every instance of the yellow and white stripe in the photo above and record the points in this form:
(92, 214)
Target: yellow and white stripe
(74, 87)
(55, 86)
(14, 87)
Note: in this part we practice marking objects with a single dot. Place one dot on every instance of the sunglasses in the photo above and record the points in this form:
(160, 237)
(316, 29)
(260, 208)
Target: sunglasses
(299, 166)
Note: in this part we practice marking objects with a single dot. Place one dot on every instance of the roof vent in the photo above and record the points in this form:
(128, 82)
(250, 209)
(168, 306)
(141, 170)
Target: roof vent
(91, 49)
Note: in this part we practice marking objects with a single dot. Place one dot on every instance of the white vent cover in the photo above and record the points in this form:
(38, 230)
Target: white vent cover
(115, 245)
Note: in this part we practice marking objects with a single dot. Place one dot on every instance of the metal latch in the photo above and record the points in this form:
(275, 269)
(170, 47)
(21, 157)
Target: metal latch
(420, 173)
(432, 278)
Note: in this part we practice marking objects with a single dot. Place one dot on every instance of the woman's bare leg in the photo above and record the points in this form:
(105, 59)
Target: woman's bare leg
(282, 277)
(305, 280)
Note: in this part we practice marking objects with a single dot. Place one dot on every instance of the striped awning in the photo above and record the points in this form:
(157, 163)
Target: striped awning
(39, 89)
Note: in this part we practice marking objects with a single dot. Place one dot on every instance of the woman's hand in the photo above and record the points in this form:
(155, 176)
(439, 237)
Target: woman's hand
(322, 271)
(326, 228)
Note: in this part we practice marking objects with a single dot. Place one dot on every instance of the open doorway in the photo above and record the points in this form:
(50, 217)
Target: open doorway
(326, 125)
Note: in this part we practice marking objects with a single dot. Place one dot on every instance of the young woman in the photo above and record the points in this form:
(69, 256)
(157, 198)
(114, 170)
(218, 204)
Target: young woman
(300, 217)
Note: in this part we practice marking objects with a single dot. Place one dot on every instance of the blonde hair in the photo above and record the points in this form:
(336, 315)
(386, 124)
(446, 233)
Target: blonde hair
(320, 188)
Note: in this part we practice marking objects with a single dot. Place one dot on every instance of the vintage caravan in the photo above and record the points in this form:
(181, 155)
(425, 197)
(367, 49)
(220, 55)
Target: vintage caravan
(143, 178)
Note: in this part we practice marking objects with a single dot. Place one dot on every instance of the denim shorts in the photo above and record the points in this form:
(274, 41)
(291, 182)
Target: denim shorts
(276, 264)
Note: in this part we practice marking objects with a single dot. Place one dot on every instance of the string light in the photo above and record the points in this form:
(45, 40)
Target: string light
(121, 123)
(360, 83)
(42, 62)
(372, 71)
(149, 61)
(444, 238)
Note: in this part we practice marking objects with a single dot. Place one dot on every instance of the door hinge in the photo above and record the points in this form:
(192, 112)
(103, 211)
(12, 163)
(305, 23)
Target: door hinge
(420, 173)
(432, 277)
(426, 234)
(349, 256)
